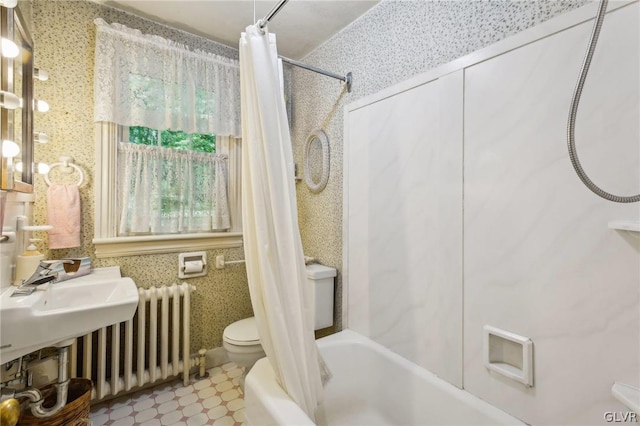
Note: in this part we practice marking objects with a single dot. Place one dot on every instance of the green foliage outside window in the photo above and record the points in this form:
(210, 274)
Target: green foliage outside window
(170, 203)
(143, 136)
(173, 139)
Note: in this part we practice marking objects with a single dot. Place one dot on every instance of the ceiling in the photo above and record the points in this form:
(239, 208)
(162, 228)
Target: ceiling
(301, 26)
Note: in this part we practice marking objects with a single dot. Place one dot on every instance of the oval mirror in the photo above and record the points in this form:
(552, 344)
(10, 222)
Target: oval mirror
(316, 161)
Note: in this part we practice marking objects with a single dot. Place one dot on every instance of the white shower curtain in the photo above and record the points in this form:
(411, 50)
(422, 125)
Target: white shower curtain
(282, 301)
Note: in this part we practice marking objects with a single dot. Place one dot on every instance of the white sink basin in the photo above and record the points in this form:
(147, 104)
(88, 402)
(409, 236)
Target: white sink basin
(65, 310)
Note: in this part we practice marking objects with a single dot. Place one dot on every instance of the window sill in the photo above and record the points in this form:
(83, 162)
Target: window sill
(157, 244)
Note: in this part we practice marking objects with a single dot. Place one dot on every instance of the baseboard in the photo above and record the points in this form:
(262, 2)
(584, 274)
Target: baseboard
(216, 357)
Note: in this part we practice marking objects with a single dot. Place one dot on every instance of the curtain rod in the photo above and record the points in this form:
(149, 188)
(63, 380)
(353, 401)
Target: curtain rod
(273, 12)
(263, 23)
(346, 78)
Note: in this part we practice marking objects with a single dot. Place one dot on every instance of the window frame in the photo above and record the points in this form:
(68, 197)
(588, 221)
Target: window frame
(106, 241)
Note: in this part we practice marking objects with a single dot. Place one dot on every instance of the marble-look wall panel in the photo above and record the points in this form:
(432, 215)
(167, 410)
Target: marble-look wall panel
(64, 37)
(539, 259)
(404, 224)
(393, 41)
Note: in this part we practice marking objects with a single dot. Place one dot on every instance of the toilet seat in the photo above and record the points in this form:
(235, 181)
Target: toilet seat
(242, 333)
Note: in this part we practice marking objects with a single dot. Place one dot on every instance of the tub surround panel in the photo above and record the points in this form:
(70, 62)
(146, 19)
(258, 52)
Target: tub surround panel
(404, 225)
(393, 41)
(539, 257)
(540, 260)
(64, 37)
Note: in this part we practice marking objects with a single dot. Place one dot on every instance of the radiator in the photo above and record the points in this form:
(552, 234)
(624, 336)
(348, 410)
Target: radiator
(151, 347)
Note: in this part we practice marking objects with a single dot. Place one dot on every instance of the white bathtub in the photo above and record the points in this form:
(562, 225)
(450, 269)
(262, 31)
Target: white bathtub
(370, 386)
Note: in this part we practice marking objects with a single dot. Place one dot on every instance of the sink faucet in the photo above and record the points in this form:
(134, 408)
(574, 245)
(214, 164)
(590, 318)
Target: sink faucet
(46, 272)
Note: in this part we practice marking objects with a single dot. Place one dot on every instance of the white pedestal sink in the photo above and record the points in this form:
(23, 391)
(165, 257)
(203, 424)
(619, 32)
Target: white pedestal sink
(61, 311)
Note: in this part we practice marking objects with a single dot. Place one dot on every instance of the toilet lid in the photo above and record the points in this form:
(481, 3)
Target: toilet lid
(242, 333)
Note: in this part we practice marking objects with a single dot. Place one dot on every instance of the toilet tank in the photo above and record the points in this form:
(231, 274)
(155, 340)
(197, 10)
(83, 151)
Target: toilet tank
(322, 279)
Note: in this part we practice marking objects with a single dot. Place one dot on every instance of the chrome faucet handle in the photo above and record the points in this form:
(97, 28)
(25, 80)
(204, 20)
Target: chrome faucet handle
(50, 264)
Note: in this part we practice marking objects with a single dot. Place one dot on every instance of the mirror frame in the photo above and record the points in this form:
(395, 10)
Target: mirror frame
(321, 136)
(12, 25)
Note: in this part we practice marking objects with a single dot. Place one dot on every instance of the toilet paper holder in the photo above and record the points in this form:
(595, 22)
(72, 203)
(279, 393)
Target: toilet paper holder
(192, 264)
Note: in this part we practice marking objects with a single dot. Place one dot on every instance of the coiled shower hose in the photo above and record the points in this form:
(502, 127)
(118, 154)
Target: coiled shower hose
(571, 138)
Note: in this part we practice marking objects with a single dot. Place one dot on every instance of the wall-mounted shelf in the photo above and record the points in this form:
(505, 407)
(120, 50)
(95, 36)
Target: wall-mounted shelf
(625, 225)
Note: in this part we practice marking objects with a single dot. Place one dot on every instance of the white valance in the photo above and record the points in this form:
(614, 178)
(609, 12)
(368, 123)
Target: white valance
(146, 80)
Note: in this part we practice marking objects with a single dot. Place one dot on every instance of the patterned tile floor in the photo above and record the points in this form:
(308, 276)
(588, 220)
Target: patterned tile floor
(216, 400)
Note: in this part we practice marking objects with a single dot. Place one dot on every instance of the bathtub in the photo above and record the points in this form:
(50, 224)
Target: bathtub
(370, 386)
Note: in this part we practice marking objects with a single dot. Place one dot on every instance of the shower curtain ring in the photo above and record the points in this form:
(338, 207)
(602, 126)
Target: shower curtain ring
(261, 24)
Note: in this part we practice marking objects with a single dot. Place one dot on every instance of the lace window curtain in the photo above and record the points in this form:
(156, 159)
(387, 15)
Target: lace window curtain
(165, 190)
(146, 80)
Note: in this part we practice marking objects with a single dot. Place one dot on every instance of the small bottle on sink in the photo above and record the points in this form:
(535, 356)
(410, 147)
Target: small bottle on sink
(28, 262)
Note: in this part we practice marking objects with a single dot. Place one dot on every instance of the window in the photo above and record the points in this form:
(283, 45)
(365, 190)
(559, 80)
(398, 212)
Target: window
(170, 182)
(161, 190)
(171, 231)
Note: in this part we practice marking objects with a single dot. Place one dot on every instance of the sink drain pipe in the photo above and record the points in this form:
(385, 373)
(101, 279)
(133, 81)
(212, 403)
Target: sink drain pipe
(62, 387)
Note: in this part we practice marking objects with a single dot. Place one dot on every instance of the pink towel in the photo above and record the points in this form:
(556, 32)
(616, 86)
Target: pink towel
(63, 213)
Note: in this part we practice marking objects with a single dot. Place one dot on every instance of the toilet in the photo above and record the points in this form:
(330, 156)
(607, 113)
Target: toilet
(241, 340)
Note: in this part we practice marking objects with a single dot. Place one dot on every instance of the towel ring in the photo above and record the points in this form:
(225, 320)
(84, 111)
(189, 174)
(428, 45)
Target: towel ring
(65, 162)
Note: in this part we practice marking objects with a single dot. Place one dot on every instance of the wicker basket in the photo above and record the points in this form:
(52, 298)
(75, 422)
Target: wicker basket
(74, 413)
